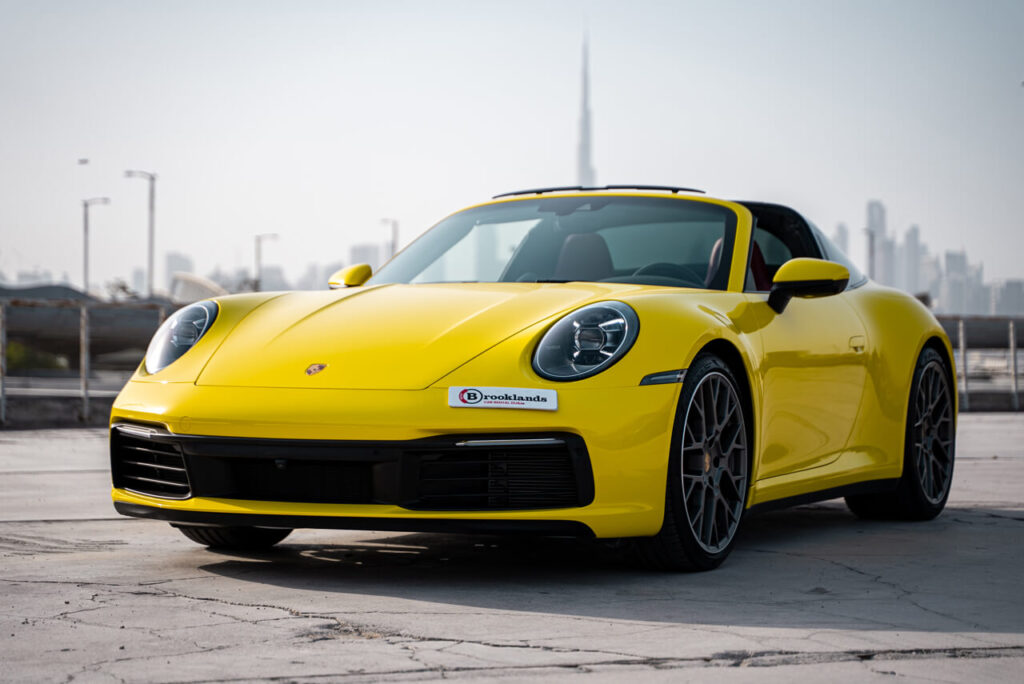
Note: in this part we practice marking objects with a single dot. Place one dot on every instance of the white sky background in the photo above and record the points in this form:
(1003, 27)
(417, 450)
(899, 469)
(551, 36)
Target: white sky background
(316, 119)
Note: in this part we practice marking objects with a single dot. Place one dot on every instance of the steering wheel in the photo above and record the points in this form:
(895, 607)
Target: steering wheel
(667, 270)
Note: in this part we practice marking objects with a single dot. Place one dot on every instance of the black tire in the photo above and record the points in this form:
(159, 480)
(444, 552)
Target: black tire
(928, 453)
(234, 538)
(714, 464)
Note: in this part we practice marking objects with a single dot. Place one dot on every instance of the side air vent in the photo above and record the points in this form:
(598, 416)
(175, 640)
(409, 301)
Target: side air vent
(141, 462)
(497, 479)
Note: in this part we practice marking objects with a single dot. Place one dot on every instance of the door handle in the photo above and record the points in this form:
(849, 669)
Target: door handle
(857, 343)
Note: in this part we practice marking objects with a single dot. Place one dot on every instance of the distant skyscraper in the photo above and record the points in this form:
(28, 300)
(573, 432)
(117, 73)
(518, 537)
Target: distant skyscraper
(1008, 298)
(876, 238)
(176, 263)
(138, 280)
(367, 253)
(842, 238)
(310, 280)
(272, 278)
(956, 264)
(979, 295)
(931, 275)
(886, 254)
(954, 290)
(912, 261)
(317, 275)
(585, 174)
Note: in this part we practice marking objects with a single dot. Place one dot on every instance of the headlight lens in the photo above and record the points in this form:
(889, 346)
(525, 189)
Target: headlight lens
(178, 334)
(586, 342)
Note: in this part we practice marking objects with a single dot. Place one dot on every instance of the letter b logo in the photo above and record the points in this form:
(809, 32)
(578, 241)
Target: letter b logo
(470, 396)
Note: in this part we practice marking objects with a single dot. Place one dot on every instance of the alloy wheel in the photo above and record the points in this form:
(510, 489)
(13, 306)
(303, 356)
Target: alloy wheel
(932, 433)
(714, 462)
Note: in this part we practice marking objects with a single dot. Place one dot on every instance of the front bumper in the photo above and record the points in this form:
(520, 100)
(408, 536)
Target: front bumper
(548, 528)
(622, 434)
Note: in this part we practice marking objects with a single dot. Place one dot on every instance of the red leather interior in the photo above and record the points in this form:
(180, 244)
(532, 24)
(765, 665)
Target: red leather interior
(759, 270)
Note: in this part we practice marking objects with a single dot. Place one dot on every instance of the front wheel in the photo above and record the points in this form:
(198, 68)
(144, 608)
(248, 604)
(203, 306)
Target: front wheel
(928, 453)
(234, 538)
(708, 472)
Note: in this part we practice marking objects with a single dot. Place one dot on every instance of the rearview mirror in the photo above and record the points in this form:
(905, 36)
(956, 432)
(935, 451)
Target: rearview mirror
(806, 278)
(352, 276)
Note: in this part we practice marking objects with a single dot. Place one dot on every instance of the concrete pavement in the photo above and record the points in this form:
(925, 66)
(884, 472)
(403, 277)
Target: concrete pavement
(810, 592)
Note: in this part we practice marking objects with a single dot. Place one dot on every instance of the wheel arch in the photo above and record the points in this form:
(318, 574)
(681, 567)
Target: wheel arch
(939, 345)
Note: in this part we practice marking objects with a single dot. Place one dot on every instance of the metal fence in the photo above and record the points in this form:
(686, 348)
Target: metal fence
(987, 333)
(969, 333)
(84, 336)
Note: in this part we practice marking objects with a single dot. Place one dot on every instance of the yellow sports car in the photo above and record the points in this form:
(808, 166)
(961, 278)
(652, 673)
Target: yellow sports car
(626, 362)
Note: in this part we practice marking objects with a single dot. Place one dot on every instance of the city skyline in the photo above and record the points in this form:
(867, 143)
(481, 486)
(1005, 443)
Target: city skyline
(315, 120)
(948, 281)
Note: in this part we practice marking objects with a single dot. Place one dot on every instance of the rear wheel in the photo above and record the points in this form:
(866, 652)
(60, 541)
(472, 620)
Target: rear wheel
(234, 538)
(928, 453)
(708, 471)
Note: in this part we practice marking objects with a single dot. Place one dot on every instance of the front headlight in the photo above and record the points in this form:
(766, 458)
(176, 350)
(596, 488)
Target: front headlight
(178, 334)
(586, 341)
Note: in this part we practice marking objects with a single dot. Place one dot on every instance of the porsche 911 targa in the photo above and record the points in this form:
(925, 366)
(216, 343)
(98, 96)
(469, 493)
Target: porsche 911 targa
(624, 362)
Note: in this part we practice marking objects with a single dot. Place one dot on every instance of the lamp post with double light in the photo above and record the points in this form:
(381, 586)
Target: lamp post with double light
(151, 177)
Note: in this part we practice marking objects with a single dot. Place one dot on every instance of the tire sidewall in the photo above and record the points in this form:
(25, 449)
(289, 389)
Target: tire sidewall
(675, 506)
(911, 488)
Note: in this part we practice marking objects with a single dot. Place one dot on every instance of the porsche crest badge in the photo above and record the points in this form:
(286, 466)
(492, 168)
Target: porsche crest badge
(315, 368)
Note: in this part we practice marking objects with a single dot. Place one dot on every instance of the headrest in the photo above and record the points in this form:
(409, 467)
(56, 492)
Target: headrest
(584, 256)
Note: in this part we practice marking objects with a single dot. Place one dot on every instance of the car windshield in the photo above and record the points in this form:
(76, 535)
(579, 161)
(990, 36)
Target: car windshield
(619, 239)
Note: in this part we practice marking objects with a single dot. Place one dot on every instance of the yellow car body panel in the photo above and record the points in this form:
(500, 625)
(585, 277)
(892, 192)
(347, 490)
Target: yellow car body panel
(624, 471)
(828, 382)
(874, 447)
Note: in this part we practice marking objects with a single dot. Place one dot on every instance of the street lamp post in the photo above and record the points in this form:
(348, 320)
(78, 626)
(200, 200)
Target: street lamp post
(259, 259)
(151, 177)
(86, 203)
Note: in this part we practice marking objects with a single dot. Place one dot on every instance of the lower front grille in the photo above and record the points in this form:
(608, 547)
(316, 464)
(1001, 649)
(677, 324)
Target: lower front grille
(149, 467)
(465, 473)
(281, 479)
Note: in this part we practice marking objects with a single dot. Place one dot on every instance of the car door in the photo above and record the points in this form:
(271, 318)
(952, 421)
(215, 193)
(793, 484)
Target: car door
(813, 367)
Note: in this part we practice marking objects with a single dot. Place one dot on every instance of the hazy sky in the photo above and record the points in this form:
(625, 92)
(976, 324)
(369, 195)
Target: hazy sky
(316, 119)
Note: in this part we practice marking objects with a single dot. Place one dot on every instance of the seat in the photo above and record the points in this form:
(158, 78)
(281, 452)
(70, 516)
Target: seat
(759, 270)
(584, 256)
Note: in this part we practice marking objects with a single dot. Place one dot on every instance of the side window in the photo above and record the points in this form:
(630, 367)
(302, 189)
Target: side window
(768, 253)
(780, 234)
(773, 250)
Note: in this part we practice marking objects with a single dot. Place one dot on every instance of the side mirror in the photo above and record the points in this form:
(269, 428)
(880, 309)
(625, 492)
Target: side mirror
(806, 278)
(352, 276)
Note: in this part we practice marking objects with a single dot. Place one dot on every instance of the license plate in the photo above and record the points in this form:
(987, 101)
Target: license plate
(503, 397)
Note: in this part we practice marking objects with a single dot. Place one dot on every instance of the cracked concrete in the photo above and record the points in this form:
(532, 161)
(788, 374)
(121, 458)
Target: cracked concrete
(88, 596)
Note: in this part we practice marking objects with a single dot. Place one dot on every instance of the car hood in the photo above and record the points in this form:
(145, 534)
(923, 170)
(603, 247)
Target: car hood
(386, 337)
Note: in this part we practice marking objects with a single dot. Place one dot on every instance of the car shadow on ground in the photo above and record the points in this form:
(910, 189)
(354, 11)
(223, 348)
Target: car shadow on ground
(808, 567)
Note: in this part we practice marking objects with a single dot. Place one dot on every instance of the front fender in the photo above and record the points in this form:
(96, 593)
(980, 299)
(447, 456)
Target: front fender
(230, 312)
